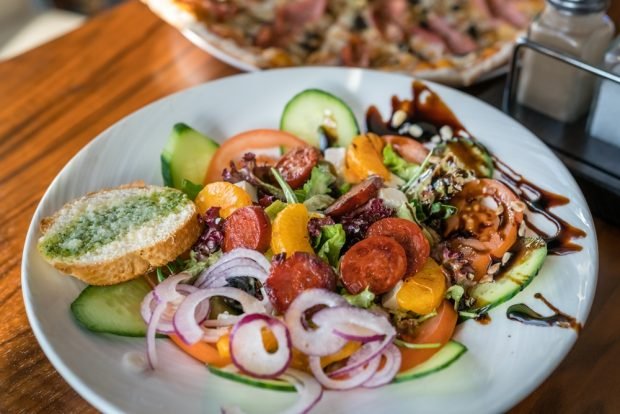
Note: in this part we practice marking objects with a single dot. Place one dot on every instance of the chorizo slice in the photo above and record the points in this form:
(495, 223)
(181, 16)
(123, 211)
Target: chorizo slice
(299, 272)
(356, 197)
(297, 164)
(376, 263)
(247, 227)
(409, 236)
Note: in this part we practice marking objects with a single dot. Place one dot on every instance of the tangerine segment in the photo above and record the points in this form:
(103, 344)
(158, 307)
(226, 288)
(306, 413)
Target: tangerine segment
(290, 231)
(225, 195)
(423, 292)
(364, 157)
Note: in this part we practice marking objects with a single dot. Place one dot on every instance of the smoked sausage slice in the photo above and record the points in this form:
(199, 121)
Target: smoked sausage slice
(409, 236)
(299, 272)
(247, 227)
(376, 263)
(297, 164)
(356, 197)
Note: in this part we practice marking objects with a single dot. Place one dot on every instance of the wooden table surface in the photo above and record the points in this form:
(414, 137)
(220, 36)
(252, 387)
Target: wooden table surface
(55, 99)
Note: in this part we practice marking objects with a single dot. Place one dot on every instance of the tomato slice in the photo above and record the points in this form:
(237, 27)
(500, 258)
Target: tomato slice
(408, 148)
(234, 148)
(486, 225)
(202, 351)
(438, 329)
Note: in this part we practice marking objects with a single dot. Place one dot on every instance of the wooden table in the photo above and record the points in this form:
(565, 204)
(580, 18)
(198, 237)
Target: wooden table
(55, 99)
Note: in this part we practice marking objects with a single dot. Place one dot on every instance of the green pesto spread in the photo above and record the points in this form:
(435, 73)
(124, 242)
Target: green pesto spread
(96, 228)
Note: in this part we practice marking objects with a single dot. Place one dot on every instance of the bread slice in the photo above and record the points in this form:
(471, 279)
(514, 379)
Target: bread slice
(118, 234)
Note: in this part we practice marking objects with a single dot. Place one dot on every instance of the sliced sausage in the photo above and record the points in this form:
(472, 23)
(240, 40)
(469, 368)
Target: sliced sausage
(299, 272)
(409, 236)
(247, 227)
(356, 197)
(297, 164)
(408, 148)
(376, 263)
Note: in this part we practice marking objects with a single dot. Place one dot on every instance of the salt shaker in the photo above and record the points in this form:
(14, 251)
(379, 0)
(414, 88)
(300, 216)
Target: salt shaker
(579, 28)
(603, 121)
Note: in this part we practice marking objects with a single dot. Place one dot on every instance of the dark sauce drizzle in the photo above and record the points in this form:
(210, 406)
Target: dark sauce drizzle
(426, 108)
(540, 201)
(524, 314)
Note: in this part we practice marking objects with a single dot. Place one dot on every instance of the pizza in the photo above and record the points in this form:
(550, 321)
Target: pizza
(451, 41)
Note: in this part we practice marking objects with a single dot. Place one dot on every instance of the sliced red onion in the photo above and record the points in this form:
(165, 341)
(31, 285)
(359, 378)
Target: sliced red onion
(166, 291)
(358, 337)
(233, 255)
(385, 374)
(310, 391)
(165, 325)
(223, 319)
(319, 341)
(151, 353)
(185, 319)
(213, 334)
(219, 278)
(248, 352)
(355, 378)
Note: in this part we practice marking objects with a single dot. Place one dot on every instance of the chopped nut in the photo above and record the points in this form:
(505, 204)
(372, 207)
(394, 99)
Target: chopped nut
(398, 118)
(500, 210)
(494, 268)
(522, 228)
(506, 257)
(446, 132)
(415, 131)
(517, 206)
(470, 276)
(435, 139)
(486, 279)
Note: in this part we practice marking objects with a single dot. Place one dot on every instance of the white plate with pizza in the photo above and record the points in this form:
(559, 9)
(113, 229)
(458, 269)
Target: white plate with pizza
(456, 42)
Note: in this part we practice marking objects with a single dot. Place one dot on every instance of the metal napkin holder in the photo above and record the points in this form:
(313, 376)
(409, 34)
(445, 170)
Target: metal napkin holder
(595, 164)
(524, 42)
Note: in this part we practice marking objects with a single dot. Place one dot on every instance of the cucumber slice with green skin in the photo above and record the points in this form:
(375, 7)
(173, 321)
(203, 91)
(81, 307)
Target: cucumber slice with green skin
(305, 115)
(473, 156)
(445, 357)
(186, 156)
(524, 265)
(112, 309)
(232, 374)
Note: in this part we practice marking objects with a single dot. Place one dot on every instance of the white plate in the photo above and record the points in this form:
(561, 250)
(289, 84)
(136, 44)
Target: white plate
(505, 362)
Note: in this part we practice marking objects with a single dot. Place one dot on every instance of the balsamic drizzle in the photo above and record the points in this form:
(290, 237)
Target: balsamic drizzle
(524, 314)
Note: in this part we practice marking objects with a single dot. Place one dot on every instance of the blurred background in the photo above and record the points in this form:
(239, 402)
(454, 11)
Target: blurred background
(25, 24)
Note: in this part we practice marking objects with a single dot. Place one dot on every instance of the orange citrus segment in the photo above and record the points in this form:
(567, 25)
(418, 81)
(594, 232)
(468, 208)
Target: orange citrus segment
(349, 349)
(221, 194)
(364, 157)
(223, 346)
(423, 292)
(289, 231)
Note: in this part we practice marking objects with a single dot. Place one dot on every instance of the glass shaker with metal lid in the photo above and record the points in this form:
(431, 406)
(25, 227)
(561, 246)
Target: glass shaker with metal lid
(579, 28)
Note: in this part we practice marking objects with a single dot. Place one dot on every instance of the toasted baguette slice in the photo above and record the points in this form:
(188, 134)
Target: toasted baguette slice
(117, 234)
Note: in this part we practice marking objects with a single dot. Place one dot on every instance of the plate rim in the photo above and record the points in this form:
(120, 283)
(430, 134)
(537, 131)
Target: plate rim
(100, 403)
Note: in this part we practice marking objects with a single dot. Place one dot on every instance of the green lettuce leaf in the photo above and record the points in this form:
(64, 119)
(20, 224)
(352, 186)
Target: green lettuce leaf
(319, 183)
(328, 245)
(398, 165)
(363, 299)
(274, 208)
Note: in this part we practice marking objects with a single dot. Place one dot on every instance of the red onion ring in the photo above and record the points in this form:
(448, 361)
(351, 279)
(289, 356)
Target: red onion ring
(359, 338)
(319, 341)
(151, 353)
(219, 278)
(166, 291)
(165, 325)
(385, 374)
(310, 391)
(355, 379)
(248, 352)
(235, 254)
(190, 330)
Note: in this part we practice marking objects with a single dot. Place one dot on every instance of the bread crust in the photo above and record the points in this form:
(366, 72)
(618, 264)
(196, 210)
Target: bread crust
(133, 263)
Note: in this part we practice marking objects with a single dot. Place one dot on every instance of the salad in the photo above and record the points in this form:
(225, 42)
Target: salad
(330, 258)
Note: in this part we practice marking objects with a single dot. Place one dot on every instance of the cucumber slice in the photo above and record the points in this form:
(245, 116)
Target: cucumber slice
(314, 114)
(112, 309)
(472, 155)
(231, 373)
(186, 156)
(529, 256)
(447, 355)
